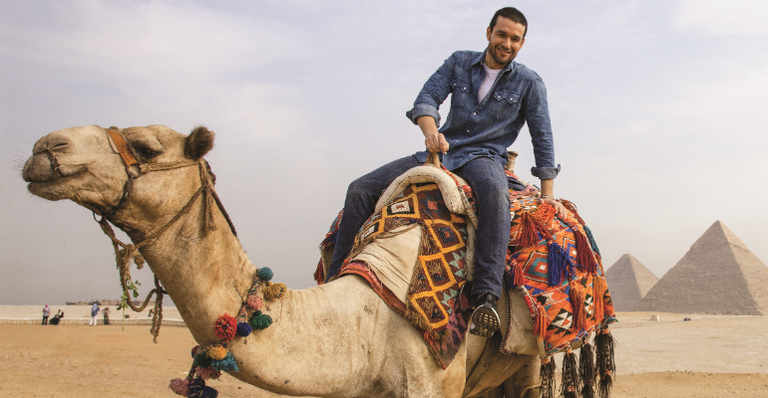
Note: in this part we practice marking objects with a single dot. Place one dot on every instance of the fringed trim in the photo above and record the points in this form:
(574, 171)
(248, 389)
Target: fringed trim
(592, 241)
(606, 364)
(418, 321)
(548, 377)
(569, 382)
(598, 294)
(587, 370)
(579, 312)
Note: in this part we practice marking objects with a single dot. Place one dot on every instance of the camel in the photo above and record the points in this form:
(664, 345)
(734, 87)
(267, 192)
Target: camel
(335, 340)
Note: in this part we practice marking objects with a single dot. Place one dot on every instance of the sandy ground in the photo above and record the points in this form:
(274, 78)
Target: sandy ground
(710, 356)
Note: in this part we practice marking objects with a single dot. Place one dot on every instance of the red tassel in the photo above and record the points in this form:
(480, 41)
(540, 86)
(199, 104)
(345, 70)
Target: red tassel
(598, 292)
(545, 213)
(518, 277)
(584, 252)
(528, 234)
(579, 314)
(320, 273)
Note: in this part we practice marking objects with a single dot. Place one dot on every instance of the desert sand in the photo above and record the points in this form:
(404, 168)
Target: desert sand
(709, 356)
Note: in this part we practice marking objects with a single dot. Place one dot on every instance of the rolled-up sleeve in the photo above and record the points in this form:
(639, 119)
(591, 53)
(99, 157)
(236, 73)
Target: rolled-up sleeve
(540, 127)
(434, 92)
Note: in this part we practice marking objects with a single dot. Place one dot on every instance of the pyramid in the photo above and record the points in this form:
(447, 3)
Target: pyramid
(718, 275)
(629, 281)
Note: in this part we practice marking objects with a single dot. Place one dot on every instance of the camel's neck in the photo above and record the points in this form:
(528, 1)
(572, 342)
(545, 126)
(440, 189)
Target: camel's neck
(206, 273)
(317, 332)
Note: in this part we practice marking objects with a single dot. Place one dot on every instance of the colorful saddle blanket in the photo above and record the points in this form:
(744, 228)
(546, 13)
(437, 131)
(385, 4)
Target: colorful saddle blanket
(552, 260)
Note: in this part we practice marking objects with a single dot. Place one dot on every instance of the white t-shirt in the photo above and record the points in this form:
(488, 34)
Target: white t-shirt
(490, 77)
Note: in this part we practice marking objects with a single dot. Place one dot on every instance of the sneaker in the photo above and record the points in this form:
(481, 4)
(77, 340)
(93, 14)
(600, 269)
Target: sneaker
(485, 319)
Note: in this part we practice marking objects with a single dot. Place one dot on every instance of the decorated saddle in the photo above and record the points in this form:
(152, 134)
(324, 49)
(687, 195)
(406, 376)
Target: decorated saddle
(416, 251)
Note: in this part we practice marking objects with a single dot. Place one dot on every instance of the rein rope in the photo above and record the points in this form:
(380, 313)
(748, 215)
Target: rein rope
(126, 252)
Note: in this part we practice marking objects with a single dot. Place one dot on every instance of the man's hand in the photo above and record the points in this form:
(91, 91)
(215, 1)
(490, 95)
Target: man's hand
(561, 210)
(436, 143)
(433, 139)
(547, 187)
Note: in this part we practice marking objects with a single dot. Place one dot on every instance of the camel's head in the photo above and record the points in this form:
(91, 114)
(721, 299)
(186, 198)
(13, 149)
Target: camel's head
(84, 164)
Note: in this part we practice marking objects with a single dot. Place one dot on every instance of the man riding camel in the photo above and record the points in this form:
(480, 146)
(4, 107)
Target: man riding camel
(492, 97)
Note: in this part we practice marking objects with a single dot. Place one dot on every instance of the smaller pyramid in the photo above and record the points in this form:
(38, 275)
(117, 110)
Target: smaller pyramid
(629, 281)
(719, 274)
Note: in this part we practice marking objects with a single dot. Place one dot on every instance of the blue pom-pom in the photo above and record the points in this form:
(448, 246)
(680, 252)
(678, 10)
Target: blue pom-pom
(244, 329)
(209, 392)
(265, 274)
(228, 363)
(197, 388)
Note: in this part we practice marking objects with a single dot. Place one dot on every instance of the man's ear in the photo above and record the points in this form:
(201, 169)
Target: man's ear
(199, 142)
(488, 33)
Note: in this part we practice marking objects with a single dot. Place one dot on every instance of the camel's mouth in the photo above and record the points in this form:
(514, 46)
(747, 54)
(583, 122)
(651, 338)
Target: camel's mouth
(51, 187)
(47, 178)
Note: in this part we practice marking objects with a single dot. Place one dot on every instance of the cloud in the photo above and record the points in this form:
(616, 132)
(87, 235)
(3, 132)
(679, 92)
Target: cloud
(718, 18)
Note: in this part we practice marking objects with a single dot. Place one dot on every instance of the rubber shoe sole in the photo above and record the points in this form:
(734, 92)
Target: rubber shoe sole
(485, 321)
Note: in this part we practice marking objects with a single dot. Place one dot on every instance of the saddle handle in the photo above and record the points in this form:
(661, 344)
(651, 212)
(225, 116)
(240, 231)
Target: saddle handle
(433, 159)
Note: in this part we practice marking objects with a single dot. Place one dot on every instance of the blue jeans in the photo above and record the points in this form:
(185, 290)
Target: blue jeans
(490, 187)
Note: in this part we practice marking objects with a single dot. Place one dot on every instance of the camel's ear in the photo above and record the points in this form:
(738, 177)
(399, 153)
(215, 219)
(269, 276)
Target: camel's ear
(199, 142)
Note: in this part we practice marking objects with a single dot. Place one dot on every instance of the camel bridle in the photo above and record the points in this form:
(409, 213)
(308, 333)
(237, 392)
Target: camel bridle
(125, 253)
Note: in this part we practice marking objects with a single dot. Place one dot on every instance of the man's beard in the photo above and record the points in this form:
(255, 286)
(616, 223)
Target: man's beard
(502, 61)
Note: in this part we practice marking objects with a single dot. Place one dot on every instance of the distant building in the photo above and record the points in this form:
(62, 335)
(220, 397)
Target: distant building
(628, 281)
(719, 274)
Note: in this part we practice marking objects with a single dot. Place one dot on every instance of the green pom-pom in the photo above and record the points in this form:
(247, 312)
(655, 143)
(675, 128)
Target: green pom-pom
(265, 274)
(202, 360)
(260, 321)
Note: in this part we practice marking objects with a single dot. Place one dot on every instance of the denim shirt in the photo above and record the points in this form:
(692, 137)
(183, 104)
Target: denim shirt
(487, 128)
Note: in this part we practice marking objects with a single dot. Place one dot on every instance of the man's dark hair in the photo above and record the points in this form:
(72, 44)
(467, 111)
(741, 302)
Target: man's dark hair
(512, 14)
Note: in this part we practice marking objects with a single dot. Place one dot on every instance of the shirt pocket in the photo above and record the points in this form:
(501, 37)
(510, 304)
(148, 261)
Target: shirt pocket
(460, 86)
(505, 104)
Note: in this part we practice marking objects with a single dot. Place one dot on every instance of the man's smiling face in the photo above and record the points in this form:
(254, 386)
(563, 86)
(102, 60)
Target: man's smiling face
(504, 42)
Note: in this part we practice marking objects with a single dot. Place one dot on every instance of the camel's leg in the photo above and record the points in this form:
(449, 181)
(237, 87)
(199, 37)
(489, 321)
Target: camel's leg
(491, 369)
(526, 382)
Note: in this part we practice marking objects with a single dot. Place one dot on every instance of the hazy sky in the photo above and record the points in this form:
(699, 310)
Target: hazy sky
(658, 110)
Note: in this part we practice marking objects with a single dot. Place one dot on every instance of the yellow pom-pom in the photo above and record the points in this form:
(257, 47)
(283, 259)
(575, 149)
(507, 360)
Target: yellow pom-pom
(217, 353)
(274, 292)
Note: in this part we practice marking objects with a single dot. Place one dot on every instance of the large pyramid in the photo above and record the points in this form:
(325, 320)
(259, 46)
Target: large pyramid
(629, 281)
(718, 275)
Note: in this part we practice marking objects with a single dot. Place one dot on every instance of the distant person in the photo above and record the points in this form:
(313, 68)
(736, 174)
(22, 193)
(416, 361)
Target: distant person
(105, 312)
(94, 311)
(46, 313)
(56, 318)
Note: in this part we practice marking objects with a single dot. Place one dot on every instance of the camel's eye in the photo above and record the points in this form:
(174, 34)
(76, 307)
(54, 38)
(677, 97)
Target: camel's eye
(146, 152)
